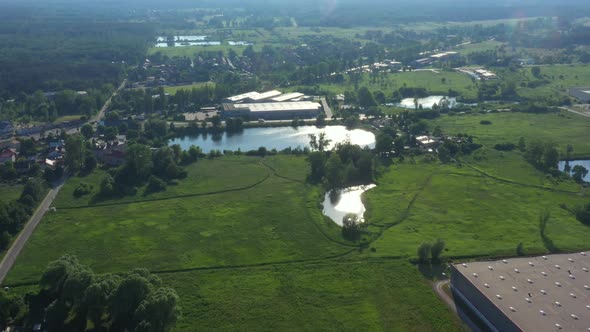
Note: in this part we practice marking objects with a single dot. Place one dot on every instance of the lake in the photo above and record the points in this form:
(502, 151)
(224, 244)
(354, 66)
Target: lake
(348, 201)
(585, 163)
(427, 102)
(275, 138)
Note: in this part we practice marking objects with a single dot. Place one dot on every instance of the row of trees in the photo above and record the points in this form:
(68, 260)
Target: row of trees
(431, 251)
(14, 214)
(71, 294)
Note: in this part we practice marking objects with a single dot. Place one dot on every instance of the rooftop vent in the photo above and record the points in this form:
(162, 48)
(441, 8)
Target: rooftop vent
(531, 264)
(558, 284)
(558, 304)
(512, 309)
(544, 273)
(542, 312)
(499, 296)
(529, 281)
(514, 288)
(574, 316)
(573, 295)
(505, 261)
(486, 285)
(572, 276)
(528, 300)
(544, 292)
(570, 259)
(586, 286)
(475, 275)
(502, 278)
(544, 257)
(583, 253)
(516, 270)
(585, 269)
(464, 265)
(558, 326)
(588, 307)
(491, 268)
(557, 266)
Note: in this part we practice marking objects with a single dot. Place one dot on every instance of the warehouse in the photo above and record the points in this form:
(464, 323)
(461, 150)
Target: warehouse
(581, 93)
(272, 110)
(547, 293)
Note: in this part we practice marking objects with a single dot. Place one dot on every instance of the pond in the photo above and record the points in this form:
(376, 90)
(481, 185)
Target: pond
(585, 163)
(427, 102)
(275, 138)
(348, 201)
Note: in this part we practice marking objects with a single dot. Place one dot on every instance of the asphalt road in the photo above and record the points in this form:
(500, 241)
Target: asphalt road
(327, 108)
(26, 232)
(574, 111)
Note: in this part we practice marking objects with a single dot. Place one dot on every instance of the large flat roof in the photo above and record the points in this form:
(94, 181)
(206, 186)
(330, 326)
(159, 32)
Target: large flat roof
(243, 96)
(537, 293)
(287, 96)
(266, 95)
(278, 107)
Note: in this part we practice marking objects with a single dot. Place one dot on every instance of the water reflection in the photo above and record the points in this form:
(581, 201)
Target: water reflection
(572, 163)
(337, 204)
(275, 138)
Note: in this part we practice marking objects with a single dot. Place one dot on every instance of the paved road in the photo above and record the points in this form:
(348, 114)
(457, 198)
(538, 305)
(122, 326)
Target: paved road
(107, 104)
(26, 232)
(327, 108)
(577, 112)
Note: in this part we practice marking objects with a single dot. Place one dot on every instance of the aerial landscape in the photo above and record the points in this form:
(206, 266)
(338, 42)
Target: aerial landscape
(268, 165)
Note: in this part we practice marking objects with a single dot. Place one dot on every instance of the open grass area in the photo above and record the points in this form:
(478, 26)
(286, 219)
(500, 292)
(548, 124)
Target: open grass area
(10, 192)
(230, 173)
(561, 128)
(65, 118)
(488, 45)
(354, 296)
(237, 227)
(475, 214)
(432, 80)
(173, 89)
(559, 78)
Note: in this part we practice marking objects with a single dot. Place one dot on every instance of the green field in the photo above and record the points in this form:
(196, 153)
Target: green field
(67, 118)
(431, 80)
(173, 89)
(244, 242)
(10, 192)
(561, 128)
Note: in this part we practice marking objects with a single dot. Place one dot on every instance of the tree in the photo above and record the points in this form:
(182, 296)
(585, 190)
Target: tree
(74, 153)
(579, 172)
(543, 220)
(521, 144)
(334, 172)
(365, 98)
(424, 252)
(384, 143)
(351, 226)
(536, 71)
(319, 142)
(520, 249)
(437, 249)
(158, 312)
(87, 131)
(138, 163)
(90, 162)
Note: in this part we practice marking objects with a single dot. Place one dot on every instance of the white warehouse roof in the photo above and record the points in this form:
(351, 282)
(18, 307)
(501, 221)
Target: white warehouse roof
(266, 95)
(287, 96)
(279, 107)
(243, 96)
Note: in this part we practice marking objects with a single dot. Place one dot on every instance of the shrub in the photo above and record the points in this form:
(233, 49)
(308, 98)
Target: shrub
(505, 147)
(155, 184)
(485, 122)
(82, 189)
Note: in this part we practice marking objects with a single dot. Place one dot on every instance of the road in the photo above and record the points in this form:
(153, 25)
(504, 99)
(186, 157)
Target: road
(327, 108)
(26, 232)
(577, 112)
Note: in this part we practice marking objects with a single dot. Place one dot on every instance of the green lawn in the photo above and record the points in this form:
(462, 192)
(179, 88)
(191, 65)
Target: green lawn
(432, 81)
(355, 296)
(67, 118)
(10, 192)
(173, 89)
(231, 173)
(561, 128)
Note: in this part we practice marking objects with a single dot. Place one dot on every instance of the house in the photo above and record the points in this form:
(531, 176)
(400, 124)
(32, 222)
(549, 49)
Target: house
(56, 144)
(10, 144)
(8, 155)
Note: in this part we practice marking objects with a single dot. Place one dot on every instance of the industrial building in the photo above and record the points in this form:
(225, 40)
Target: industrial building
(581, 93)
(272, 110)
(546, 293)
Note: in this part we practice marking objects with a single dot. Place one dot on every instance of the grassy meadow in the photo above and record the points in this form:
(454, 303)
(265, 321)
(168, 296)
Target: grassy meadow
(10, 192)
(173, 89)
(244, 242)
